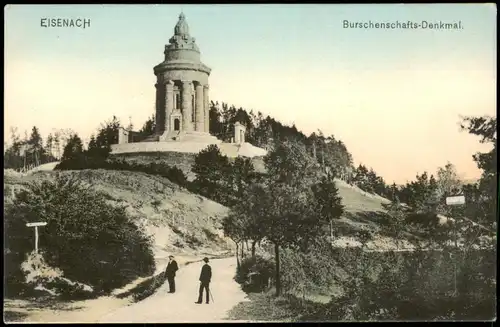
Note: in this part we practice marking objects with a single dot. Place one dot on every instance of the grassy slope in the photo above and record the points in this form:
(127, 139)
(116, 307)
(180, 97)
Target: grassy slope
(363, 210)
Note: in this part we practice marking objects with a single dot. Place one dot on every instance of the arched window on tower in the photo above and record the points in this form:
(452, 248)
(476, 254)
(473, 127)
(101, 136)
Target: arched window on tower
(177, 100)
(193, 108)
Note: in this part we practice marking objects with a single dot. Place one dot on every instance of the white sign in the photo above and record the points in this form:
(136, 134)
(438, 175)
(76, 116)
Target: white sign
(455, 200)
(36, 224)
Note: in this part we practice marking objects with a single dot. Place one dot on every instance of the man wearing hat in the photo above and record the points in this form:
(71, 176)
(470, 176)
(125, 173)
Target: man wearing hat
(205, 277)
(170, 273)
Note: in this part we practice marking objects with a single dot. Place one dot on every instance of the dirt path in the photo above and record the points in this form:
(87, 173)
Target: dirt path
(163, 307)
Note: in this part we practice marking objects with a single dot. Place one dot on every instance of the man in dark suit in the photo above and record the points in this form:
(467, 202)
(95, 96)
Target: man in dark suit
(205, 278)
(170, 273)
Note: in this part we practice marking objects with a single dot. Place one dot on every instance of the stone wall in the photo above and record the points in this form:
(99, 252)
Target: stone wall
(231, 150)
(183, 161)
(187, 147)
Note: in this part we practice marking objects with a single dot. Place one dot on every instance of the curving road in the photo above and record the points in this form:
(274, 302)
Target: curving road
(163, 307)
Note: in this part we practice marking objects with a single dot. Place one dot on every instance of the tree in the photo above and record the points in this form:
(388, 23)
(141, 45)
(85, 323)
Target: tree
(361, 178)
(394, 192)
(212, 170)
(49, 146)
(96, 151)
(12, 156)
(372, 181)
(328, 202)
(486, 128)
(130, 126)
(289, 163)
(90, 240)
(73, 149)
(397, 221)
(148, 128)
(15, 139)
(448, 182)
(234, 229)
(288, 214)
(250, 213)
(35, 143)
(422, 194)
(108, 133)
(313, 140)
(57, 144)
(215, 119)
(243, 171)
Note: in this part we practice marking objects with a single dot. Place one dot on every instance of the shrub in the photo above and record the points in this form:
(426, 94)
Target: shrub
(309, 271)
(38, 275)
(426, 220)
(414, 286)
(176, 176)
(95, 161)
(91, 241)
(211, 236)
(255, 273)
(82, 162)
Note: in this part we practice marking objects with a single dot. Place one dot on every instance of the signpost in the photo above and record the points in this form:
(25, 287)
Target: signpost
(36, 225)
(457, 199)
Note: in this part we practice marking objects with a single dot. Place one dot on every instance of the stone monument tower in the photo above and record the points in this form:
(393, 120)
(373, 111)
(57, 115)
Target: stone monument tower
(182, 104)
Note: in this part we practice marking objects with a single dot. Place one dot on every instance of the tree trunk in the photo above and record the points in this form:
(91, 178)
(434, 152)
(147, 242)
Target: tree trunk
(331, 230)
(242, 243)
(253, 248)
(277, 260)
(237, 257)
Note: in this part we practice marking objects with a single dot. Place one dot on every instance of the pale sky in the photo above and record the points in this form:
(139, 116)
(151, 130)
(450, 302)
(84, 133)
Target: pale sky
(393, 96)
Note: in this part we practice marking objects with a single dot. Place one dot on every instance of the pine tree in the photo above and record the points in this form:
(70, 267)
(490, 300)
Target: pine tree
(57, 144)
(486, 208)
(49, 146)
(108, 133)
(328, 201)
(73, 150)
(212, 170)
(36, 145)
(148, 128)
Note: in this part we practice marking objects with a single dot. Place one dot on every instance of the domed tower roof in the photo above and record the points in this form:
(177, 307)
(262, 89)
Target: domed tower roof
(182, 52)
(181, 28)
(181, 39)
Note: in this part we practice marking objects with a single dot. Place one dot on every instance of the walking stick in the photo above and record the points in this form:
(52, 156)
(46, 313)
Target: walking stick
(211, 296)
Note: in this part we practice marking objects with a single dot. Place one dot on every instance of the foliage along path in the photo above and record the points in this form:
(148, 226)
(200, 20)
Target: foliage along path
(163, 307)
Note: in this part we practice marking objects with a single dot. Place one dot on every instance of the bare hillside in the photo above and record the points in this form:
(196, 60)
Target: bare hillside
(362, 209)
(185, 222)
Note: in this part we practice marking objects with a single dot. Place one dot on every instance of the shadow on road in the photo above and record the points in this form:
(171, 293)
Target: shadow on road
(14, 316)
(148, 287)
(40, 303)
(145, 288)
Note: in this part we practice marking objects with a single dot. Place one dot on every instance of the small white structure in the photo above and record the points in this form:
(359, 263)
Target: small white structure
(239, 133)
(122, 135)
